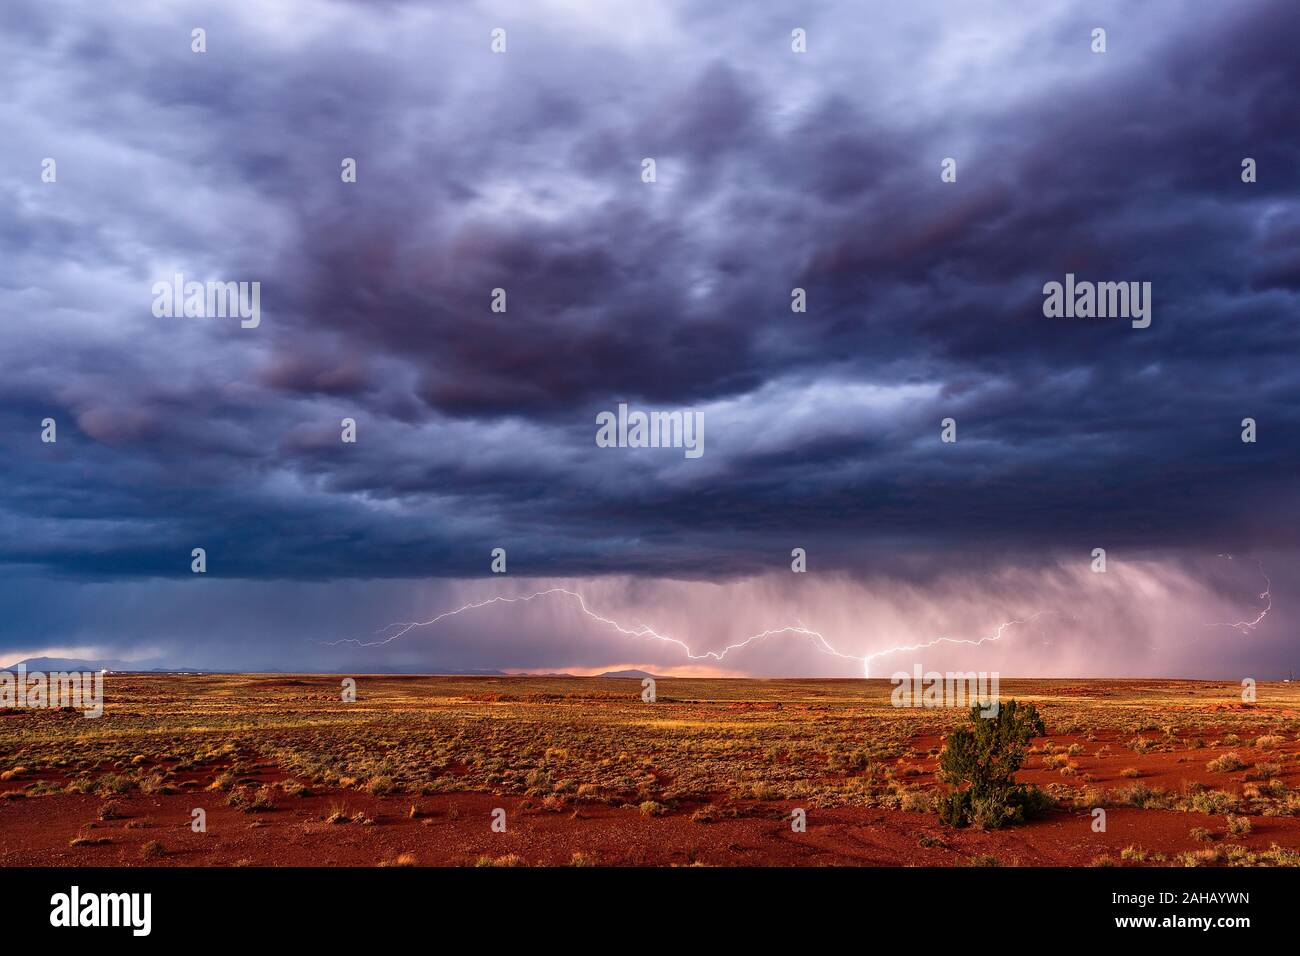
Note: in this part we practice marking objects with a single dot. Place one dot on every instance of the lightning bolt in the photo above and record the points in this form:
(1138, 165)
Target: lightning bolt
(1245, 627)
(402, 628)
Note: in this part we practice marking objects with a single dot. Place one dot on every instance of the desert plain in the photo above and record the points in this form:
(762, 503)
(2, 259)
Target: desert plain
(281, 771)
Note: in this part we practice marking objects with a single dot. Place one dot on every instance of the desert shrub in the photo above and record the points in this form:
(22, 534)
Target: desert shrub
(980, 761)
(261, 801)
(1089, 797)
(1274, 788)
(1225, 764)
(916, 801)
(111, 783)
(1239, 826)
(1213, 801)
(82, 784)
(1147, 798)
(538, 779)
(90, 841)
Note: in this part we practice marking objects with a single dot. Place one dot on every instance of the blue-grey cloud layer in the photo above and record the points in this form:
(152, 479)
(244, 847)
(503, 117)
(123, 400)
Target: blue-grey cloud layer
(522, 171)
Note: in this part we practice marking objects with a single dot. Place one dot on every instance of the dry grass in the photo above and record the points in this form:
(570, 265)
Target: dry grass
(708, 749)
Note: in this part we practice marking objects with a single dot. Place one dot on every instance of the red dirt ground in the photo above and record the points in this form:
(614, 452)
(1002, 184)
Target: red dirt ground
(37, 828)
(454, 829)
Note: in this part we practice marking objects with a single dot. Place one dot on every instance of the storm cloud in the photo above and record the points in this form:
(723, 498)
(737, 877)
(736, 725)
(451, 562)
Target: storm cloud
(522, 171)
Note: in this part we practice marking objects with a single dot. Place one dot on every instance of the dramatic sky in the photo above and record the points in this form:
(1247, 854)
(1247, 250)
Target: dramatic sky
(476, 429)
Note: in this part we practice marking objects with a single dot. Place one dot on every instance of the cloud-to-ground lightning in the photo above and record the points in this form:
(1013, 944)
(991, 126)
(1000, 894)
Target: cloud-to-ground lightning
(1245, 627)
(644, 631)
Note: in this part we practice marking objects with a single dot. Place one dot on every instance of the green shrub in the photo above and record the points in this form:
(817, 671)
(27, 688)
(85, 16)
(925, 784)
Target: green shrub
(980, 761)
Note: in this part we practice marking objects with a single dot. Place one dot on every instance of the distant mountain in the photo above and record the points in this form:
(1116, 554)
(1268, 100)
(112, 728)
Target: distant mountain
(638, 675)
(49, 664)
(415, 671)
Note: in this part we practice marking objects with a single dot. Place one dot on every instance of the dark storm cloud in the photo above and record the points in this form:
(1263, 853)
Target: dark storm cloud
(522, 171)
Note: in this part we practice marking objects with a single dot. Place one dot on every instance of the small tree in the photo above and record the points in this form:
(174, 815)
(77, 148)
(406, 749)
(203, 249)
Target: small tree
(980, 761)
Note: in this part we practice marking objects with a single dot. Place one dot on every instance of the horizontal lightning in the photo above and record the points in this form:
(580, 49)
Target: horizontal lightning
(644, 631)
(819, 640)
